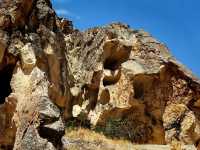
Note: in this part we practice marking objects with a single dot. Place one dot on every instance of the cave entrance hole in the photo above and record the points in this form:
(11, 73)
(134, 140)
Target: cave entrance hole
(5, 78)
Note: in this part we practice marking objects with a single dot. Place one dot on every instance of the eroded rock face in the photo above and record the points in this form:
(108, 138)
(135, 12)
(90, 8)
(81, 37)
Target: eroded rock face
(129, 80)
(120, 81)
(31, 43)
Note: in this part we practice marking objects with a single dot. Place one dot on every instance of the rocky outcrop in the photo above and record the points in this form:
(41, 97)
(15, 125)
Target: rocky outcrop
(33, 67)
(128, 80)
(112, 79)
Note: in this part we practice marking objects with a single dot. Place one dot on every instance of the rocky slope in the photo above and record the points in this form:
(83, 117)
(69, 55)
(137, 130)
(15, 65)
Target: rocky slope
(113, 80)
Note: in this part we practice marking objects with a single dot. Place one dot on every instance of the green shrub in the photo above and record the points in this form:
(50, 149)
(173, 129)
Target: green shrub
(133, 130)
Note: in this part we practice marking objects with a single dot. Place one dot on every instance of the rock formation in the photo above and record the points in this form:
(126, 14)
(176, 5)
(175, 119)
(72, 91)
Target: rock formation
(112, 79)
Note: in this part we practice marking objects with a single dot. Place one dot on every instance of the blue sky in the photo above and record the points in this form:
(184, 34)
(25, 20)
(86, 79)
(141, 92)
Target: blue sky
(174, 22)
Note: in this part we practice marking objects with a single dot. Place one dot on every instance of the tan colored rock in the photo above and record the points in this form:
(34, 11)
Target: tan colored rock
(133, 67)
(197, 103)
(129, 77)
(3, 44)
(28, 57)
(180, 123)
(15, 13)
(28, 111)
(113, 79)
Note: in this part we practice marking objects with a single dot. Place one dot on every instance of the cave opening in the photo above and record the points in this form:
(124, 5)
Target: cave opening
(5, 78)
(138, 90)
(51, 135)
(111, 64)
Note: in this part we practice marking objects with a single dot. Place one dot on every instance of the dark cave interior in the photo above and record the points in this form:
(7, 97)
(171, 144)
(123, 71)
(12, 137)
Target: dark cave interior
(5, 78)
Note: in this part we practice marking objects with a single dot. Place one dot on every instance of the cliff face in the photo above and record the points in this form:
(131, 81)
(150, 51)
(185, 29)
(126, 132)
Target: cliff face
(113, 79)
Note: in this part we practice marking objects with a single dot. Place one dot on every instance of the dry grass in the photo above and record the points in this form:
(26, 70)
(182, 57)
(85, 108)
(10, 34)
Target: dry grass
(89, 135)
(85, 139)
(102, 141)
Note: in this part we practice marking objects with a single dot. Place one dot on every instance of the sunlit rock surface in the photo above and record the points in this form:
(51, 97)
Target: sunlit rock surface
(112, 80)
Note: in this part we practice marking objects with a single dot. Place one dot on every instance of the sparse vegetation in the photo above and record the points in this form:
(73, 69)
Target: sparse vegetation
(81, 137)
(81, 121)
(128, 129)
(133, 130)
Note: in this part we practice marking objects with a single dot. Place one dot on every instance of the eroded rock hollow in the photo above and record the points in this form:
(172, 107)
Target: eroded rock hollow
(112, 79)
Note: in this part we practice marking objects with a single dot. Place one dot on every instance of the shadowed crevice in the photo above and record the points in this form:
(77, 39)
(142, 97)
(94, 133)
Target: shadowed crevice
(5, 78)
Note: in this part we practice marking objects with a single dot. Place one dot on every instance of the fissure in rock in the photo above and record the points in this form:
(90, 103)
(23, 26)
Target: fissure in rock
(5, 78)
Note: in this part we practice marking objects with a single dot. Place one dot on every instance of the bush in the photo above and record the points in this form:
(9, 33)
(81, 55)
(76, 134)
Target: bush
(133, 130)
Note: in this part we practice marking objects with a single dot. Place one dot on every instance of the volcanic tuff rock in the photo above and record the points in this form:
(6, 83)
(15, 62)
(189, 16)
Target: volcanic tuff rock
(112, 79)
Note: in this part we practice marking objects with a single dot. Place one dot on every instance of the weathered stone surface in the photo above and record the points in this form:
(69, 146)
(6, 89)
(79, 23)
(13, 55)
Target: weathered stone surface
(33, 141)
(14, 13)
(180, 123)
(131, 79)
(112, 79)
(34, 51)
(28, 57)
(47, 110)
(3, 44)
